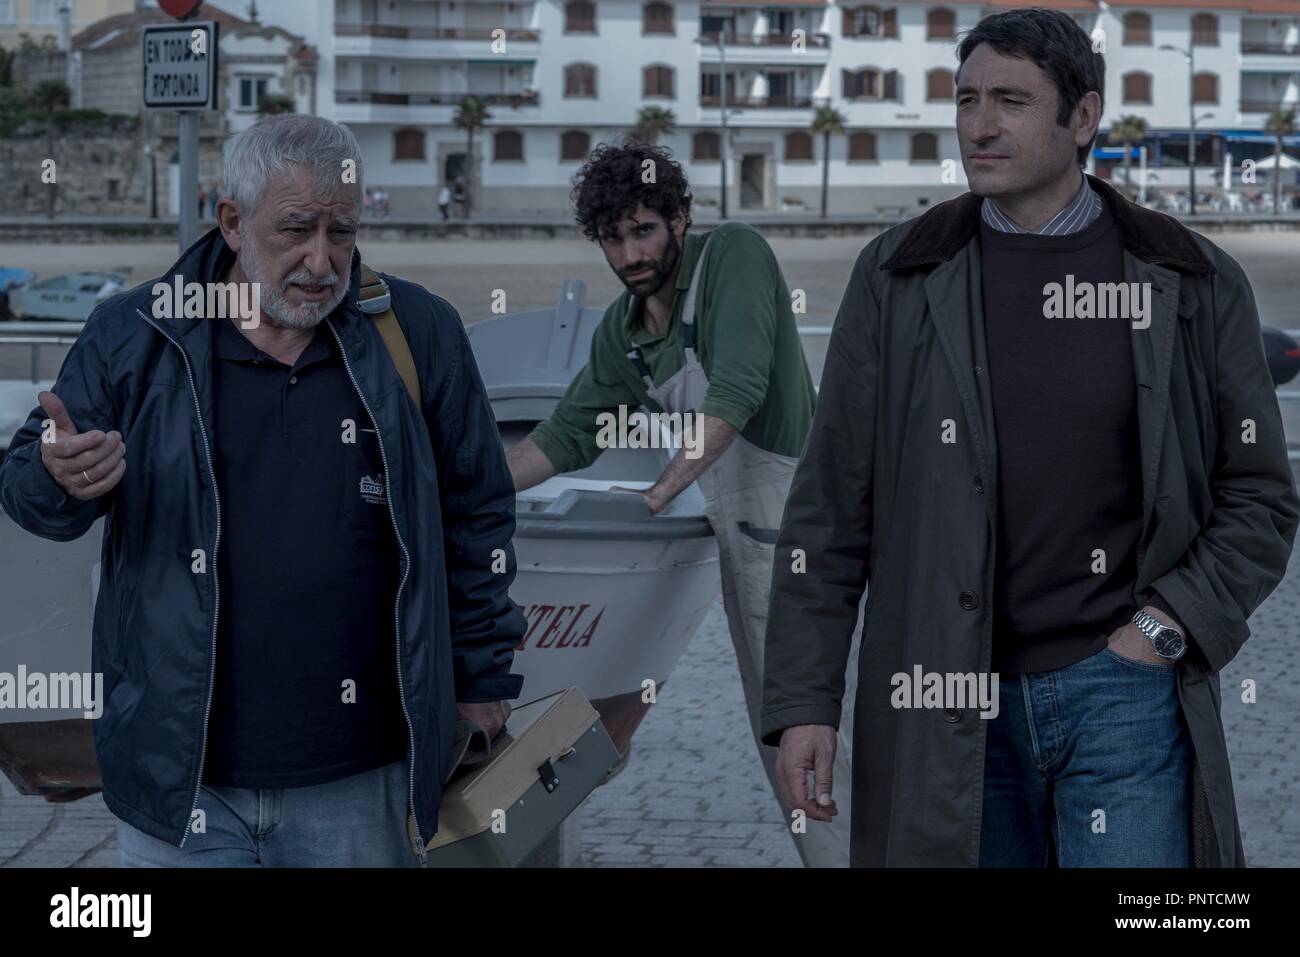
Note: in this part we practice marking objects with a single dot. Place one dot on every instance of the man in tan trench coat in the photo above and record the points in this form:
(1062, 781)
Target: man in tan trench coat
(1085, 502)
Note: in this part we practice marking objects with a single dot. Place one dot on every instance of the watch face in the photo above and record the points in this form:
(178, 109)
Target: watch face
(1168, 643)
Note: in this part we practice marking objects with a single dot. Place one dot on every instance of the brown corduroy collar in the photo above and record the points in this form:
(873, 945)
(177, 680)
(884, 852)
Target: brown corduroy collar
(943, 231)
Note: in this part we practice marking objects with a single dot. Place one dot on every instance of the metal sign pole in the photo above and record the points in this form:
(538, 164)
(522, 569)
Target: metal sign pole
(188, 132)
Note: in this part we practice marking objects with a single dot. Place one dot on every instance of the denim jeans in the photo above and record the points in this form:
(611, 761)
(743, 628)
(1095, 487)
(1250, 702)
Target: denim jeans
(1093, 760)
(358, 821)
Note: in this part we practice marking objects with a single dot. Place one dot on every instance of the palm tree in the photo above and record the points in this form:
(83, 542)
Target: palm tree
(49, 96)
(827, 120)
(1280, 123)
(471, 114)
(653, 122)
(1127, 130)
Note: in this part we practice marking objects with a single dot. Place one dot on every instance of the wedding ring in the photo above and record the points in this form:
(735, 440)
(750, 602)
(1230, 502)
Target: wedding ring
(89, 481)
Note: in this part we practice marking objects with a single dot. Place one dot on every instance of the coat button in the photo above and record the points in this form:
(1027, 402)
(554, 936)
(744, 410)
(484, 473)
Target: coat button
(979, 484)
(952, 715)
(979, 370)
(969, 600)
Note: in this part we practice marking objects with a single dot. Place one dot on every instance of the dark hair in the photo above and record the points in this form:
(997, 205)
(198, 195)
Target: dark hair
(609, 186)
(1056, 43)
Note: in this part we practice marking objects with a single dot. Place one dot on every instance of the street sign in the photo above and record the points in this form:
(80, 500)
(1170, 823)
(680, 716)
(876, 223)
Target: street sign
(180, 66)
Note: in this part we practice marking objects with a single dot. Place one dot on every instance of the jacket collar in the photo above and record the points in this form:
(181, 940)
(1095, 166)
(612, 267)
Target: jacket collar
(939, 234)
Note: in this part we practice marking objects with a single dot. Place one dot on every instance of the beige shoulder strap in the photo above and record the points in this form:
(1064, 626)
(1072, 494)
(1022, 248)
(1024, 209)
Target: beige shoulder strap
(375, 301)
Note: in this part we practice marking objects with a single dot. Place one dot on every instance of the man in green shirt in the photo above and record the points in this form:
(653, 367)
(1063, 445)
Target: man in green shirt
(704, 328)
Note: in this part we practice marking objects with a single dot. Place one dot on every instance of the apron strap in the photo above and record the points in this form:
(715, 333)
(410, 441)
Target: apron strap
(642, 368)
(688, 308)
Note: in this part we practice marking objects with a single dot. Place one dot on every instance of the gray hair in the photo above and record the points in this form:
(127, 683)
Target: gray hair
(276, 143)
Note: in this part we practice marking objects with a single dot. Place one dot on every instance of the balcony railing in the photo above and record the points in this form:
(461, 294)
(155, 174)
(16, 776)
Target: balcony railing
(764, 39)
(767, 102)
(428, 33)
(526, 98)
(1269, 46)
(1266, 106)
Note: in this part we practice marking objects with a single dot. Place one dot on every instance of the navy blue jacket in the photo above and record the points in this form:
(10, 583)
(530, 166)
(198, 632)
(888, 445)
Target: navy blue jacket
(450, 495)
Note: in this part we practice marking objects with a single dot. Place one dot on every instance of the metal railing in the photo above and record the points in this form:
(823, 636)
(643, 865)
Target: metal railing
(37, 336)
(1270, 46)
(767, 102)
(524, 98)
(819, 40)
(394, 32)
(1265, 106)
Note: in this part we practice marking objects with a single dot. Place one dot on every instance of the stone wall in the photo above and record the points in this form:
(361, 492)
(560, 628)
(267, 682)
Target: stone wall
(100, 166)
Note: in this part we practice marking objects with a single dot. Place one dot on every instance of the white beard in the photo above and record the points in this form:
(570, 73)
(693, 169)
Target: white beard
(274, 303)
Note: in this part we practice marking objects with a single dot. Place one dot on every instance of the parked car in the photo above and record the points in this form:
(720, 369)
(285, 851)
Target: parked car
(70, 296)
(1283, 354)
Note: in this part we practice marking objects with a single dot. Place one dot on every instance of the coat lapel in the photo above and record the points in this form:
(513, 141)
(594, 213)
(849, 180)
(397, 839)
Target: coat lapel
(955, 297)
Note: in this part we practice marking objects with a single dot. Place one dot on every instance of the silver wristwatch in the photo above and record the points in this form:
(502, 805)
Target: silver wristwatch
(1168, 642)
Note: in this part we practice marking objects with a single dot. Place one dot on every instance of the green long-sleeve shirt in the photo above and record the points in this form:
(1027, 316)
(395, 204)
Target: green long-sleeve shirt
(746, 340)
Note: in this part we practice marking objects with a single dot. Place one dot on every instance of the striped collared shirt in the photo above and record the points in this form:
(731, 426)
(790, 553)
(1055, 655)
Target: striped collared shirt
(1077, 215)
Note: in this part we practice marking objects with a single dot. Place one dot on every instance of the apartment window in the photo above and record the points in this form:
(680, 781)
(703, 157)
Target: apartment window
(579, 80)
(251, 91)
(657, 18)
(705, 146)
(862, 147)
(1205, 88)
(798, 146)
(579, 17)
(114, 189)
(657, 81)
(1137, 29)
(870, 22)
(870, 84)
(408, 145)
(1205, 30)
(507, 145)
(925, 148)
(1137, 87)
(575, 145)
(7, 12)
(44, 11)
(711, 86)
(940, 24)
(939, 85)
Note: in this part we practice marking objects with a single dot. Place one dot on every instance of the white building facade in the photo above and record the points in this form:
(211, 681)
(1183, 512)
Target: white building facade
(561, 76)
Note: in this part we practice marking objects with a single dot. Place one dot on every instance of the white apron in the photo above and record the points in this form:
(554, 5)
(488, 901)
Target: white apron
(744, 496)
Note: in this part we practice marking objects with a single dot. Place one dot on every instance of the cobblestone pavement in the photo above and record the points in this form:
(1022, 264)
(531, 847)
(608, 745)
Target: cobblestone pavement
(694, 794)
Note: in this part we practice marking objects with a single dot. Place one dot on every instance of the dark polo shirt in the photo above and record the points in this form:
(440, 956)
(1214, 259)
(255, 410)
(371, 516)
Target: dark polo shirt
(307, 574)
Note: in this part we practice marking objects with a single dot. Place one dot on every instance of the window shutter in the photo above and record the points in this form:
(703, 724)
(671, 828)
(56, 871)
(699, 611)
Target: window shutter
(891, 85)
(848, 23)
(890, 28)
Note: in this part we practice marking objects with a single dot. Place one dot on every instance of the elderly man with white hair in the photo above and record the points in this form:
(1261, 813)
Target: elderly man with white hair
(300, 592)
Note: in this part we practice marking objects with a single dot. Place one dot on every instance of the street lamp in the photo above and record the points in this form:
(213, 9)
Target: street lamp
(1191, 116)
(722, 152)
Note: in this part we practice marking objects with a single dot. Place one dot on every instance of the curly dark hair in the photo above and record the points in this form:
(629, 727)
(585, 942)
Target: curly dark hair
(609, 186)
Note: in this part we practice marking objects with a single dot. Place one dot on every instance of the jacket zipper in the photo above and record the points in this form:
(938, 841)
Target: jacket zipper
(216, 591)
(397, 604)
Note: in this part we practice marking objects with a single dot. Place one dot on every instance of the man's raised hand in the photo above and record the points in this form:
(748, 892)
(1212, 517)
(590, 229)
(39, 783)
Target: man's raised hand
(85, 465)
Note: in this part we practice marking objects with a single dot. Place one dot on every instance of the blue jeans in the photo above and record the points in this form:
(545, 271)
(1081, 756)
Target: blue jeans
(1095, 758)
(359, 821)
